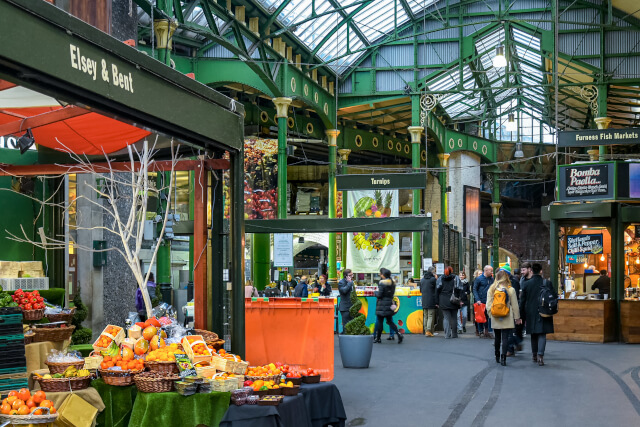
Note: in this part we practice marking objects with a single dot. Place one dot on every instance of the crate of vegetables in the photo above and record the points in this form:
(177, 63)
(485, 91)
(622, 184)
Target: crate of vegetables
(109, 334)
(196, 348)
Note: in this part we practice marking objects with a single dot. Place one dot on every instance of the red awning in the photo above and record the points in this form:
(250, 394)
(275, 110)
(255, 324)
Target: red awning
(54, 126)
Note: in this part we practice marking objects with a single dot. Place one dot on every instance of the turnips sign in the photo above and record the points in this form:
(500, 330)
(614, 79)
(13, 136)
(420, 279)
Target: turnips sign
(583, 182)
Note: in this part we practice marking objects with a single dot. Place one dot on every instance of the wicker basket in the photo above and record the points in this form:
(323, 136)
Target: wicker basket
(206, 335)
(32, 315)
(189, 351)
(148, 384)
(118, 378)
(93, 361)
(61, 317)
(60, 367)
(30, 419)
(64, 384)
(227, 365)
(52, 334)
(167, 368)
(311, 379)
(28, 339)
(274, 378)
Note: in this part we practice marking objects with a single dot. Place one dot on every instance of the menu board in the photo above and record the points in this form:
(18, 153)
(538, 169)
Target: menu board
(583, 244)
(587, 182)
(282, 250)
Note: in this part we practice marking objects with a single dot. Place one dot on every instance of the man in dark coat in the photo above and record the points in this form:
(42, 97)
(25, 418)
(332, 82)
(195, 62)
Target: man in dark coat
(603, 283)
(301, 290)
(537, 326)
(345, 287)
(480, 287)
(515, 341)
(428, 290)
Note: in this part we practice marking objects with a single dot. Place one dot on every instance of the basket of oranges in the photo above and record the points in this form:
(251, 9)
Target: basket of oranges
(228, 362)
(20, 408)
(163, 359)
(123, 376)
(196, 348)
(109, 334)
(268, 372)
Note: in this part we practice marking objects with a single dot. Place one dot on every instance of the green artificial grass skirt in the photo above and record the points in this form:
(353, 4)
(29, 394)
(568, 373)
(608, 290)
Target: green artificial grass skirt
(118, 402)
(172, 409)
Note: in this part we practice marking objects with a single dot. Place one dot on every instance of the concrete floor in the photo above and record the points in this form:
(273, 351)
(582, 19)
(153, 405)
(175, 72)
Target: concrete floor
(438, 382)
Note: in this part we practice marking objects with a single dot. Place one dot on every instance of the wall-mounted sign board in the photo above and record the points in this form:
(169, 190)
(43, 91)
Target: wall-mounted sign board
(401, 181)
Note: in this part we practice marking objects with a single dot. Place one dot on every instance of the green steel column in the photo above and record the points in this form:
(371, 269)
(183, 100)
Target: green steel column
(282, 105)
(442, 178)
(495, 210)
(237, 254)
(344, 156)
(332, 136)
(416, 139)
(554, 254)
(163, 263)
(164, 30)
(602, 121)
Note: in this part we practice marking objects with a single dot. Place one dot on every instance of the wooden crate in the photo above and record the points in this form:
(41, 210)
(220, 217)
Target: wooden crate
(187, 349)
(584, 321)
(118, 338)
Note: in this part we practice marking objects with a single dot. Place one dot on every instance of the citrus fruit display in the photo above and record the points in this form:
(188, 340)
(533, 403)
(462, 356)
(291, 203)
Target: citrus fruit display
(164, 354)
(22, 403)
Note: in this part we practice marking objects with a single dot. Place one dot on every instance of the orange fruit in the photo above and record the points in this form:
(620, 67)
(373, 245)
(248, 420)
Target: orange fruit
(12, 393)
(52, 410)
(17, 403)
(24, 394)
(13, 412)
(24, 410)
(5, 409)
(31, 404)
(37, 412)
(46, 404)
(39, 396)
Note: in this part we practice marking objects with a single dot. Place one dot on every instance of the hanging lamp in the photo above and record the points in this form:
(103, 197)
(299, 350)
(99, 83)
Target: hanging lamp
(512, 125)
(499, 61)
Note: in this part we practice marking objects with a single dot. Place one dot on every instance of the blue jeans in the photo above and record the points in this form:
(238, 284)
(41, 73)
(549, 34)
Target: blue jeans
(462, 317)
(378, 327)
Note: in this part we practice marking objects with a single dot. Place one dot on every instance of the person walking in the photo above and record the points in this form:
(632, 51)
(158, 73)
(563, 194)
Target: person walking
(448, 290)
(301, 290)
(476, 274)
(536, 326)
(502, 306)
(480, 287)
(151, 289)
(602, 283)
(516, 339)
(345, 287)
(428, 290)
(384, 295)
(464, 298)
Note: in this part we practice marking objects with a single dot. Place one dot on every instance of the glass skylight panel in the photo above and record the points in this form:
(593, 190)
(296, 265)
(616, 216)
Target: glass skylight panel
(313, 32)
(418, 6)
(379, 18)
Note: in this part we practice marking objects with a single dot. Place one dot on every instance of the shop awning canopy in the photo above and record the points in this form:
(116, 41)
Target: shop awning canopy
(62, 127)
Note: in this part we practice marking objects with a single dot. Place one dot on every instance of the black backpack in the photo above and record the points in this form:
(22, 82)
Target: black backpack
(548, 301)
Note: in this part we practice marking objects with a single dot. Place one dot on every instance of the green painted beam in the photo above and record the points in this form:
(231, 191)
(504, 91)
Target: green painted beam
(303, 225)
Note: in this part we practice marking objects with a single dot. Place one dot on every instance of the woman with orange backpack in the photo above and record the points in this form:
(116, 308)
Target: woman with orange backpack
(502, 306)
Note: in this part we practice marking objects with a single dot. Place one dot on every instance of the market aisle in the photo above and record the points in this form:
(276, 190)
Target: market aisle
(437, 382)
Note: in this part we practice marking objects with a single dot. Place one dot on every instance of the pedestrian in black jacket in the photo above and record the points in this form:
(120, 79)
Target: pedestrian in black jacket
(345, 287)
(384, 295)
(446, 286)
(537, 326)
(518, 337)
(428, 290)
(464, 298)
(301, 290)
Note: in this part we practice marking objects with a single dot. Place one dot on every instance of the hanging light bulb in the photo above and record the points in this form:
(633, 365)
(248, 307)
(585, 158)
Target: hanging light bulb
(519, 153)
(511, 125)
(627, 262)
(602, 257)
(637, 260)
(585, 264)
(499, 61)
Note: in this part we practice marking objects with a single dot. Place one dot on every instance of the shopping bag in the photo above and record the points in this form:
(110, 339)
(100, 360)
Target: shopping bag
(76, 412)
(478, 312)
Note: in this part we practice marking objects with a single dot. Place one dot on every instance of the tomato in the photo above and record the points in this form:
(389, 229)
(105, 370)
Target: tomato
(28, 307)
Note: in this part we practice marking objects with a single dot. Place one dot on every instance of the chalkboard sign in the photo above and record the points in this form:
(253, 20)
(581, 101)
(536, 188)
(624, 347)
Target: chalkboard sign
(584, 182)
(584, 244)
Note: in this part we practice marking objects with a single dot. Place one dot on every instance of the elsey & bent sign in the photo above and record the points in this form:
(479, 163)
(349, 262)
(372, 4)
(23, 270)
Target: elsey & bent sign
(90, 66)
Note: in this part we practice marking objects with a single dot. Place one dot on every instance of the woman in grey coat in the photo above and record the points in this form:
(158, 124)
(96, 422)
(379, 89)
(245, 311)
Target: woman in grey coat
(446, 286)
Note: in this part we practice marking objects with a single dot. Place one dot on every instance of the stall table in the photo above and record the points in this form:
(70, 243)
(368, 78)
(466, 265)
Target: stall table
(324, 404)
(90, 394)
(292, 412)
(37, 353)
(630, 321)
(584, 320)
(172, 409)
(118, 402)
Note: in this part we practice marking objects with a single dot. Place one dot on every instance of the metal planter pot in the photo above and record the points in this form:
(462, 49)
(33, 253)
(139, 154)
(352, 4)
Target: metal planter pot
(355, 350)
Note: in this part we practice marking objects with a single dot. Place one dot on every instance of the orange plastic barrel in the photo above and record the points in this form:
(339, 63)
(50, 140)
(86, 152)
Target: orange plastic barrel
(294, 331)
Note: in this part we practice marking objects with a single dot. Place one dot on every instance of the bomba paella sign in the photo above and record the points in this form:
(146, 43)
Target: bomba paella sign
(584, 244)
(583, 182)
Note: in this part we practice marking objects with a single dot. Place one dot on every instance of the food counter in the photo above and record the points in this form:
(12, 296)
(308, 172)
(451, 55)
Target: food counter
(585, 321)
(630, 321)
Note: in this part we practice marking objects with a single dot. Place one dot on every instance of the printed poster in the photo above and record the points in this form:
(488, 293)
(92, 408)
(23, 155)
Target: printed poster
(369, 252)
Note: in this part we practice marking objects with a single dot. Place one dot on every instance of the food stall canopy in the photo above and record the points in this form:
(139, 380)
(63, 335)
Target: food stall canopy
(57, 126)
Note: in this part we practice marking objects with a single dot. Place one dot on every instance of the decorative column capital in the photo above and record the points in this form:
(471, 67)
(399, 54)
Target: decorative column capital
(495, 208)
(282, 106)
(332, 135)
(416, 133)
(444, 159)
(603, 122)
(164, 30)
(344, 154)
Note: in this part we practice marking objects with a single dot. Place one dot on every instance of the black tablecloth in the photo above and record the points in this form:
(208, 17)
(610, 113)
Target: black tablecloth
(324, 404)
(292, 412)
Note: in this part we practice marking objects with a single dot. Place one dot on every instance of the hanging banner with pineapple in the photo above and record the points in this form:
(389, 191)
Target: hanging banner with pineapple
(368, 252)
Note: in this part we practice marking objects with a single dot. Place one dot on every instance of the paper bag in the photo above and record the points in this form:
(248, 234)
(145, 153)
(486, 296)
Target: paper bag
(76, 412)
